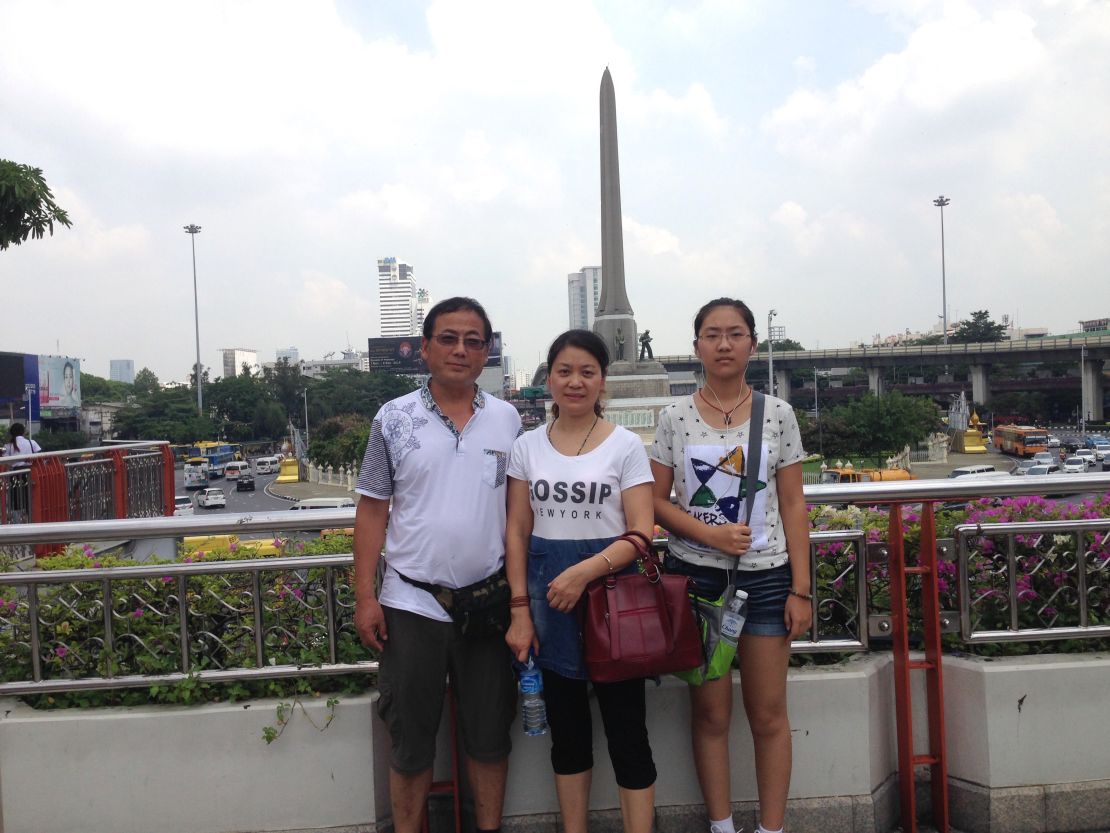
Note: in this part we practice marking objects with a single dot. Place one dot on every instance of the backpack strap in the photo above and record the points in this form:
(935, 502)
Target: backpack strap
(755, 451)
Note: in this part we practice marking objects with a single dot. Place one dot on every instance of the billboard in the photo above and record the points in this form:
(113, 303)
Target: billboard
(401, 354)
(59, 386)
(11, 376)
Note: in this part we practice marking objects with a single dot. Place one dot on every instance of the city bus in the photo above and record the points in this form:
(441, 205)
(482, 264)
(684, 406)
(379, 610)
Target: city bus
(1020, 440)
(195, 472)
(217, 454)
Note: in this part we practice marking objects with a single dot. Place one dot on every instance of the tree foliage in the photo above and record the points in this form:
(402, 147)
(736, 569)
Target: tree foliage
(871, 425)
(27, 207)
(99, 389)
(146, 383)
(977, 329)
(780, 344)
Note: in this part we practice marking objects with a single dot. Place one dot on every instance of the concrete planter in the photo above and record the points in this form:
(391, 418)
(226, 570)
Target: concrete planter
(1028, 743)
(202, 769)
(1028, 750)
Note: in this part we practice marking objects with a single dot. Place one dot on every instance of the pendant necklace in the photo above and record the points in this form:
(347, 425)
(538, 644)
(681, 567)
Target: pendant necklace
(740, 400)
(584, 441)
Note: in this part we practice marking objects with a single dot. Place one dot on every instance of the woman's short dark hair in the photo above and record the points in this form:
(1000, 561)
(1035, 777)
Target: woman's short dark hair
(459, 303)
(591, 342)
(739, 306)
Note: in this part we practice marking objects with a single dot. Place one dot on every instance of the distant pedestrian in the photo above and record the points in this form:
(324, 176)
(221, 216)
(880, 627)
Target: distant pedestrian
(19, 444)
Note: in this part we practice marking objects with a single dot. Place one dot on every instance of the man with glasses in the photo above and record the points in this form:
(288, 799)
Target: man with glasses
(439, 455)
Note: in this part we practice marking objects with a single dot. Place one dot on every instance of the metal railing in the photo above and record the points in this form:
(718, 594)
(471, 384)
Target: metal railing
(222, 621)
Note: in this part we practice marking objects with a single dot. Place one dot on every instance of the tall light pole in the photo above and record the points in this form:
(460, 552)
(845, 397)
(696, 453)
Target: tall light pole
(192, 230)
(940, 202)
(770, 355)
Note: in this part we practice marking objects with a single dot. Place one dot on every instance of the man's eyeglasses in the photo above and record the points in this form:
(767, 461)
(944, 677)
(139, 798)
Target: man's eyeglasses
(714, 337)
(472, 343)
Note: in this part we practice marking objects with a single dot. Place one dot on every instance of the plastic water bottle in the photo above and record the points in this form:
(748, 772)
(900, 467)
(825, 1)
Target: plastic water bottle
(732, 619)
(533, 709)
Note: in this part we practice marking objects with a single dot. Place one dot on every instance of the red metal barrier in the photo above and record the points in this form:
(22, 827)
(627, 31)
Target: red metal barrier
(49, 501)
(167, 480)
(936, 758)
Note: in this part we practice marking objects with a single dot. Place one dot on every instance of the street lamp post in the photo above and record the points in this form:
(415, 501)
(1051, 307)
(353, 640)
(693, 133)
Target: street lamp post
(940, 202)
(192, 230)
(770, 355)
(817, 416)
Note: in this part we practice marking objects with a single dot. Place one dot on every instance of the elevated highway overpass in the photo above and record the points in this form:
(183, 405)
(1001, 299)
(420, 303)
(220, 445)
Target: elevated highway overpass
(1088, 354)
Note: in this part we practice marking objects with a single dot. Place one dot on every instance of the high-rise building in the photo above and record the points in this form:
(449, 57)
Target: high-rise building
(122, 370)
(397, 297)
(235, 357)
(583, 292)
(423, 304)
(292, 354)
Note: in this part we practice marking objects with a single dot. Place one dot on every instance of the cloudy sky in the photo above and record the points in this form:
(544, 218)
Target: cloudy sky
(784, 152)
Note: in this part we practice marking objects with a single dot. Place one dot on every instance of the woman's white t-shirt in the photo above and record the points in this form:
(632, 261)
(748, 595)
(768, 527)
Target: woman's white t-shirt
(576, 498)
(22, 445)
(709, 467)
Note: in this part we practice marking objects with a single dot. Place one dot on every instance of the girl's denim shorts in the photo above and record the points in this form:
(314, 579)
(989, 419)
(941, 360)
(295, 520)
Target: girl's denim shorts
(767, 592)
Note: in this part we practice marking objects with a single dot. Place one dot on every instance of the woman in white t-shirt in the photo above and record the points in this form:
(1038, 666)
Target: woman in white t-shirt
(574, 486)
(700, 447)
(19, 444)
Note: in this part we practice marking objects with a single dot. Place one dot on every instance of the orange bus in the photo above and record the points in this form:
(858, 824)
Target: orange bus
(1022, 440)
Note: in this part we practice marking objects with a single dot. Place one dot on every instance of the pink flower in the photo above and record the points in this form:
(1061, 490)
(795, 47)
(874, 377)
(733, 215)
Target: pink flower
(166, 579)
(138, 612)
(298, 592)
(61, 651)
(234, 546)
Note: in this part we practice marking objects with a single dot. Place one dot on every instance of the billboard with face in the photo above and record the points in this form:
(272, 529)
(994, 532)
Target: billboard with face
(59, 386)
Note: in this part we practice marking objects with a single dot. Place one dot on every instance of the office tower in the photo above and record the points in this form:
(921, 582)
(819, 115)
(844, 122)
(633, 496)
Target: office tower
(396, 297)
(122, 370)
(235, 357)
(583, 292)
(292, 354)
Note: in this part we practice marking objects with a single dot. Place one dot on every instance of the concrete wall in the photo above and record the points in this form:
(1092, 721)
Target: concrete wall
(206, 769)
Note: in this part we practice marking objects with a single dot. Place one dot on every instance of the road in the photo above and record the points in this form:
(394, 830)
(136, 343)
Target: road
(256, 501)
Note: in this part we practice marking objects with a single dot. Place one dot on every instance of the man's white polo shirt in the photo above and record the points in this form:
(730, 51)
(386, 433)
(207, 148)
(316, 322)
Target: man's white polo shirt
(447, 524)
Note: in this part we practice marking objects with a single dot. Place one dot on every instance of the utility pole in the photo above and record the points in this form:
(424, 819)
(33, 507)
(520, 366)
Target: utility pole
(940, 202)
(193, 230)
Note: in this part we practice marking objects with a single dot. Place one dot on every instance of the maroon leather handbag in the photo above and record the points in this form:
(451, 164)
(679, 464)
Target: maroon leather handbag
(639, 624)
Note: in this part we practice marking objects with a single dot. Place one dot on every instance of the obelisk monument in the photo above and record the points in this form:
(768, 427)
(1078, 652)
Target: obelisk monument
(628, 377)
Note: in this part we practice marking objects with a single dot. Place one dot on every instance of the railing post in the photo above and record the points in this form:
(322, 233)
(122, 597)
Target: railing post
(119, 481)
(936, 758)
(167, 481)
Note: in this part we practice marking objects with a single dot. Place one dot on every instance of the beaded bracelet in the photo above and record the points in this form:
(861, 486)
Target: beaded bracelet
(807, 596)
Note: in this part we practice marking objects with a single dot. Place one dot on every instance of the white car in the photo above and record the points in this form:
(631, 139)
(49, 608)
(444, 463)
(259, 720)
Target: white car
(209, 498)
(182, 505)
(1087, 454)
(1075, 465)
(1053, 441)
(1045, 458)
(1043, 469)
(1102, 451)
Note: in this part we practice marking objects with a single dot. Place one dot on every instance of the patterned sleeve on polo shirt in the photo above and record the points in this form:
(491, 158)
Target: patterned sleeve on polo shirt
(375, 478)
(790, 449)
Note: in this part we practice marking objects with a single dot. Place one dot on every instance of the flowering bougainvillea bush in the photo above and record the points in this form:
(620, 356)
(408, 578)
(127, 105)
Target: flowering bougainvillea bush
(1046, 575)
(146, 632)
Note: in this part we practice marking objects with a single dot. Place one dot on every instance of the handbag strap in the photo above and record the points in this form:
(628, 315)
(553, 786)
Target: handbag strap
(755, 451)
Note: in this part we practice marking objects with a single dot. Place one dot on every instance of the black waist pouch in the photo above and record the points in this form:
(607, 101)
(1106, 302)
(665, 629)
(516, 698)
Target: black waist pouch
(479, 609)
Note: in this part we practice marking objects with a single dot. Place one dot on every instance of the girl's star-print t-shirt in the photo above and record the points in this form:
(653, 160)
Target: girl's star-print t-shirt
(710, 479)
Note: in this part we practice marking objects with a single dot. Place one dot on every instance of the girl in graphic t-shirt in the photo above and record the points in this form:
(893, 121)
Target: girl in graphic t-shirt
(574, 486)
(700, 447)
